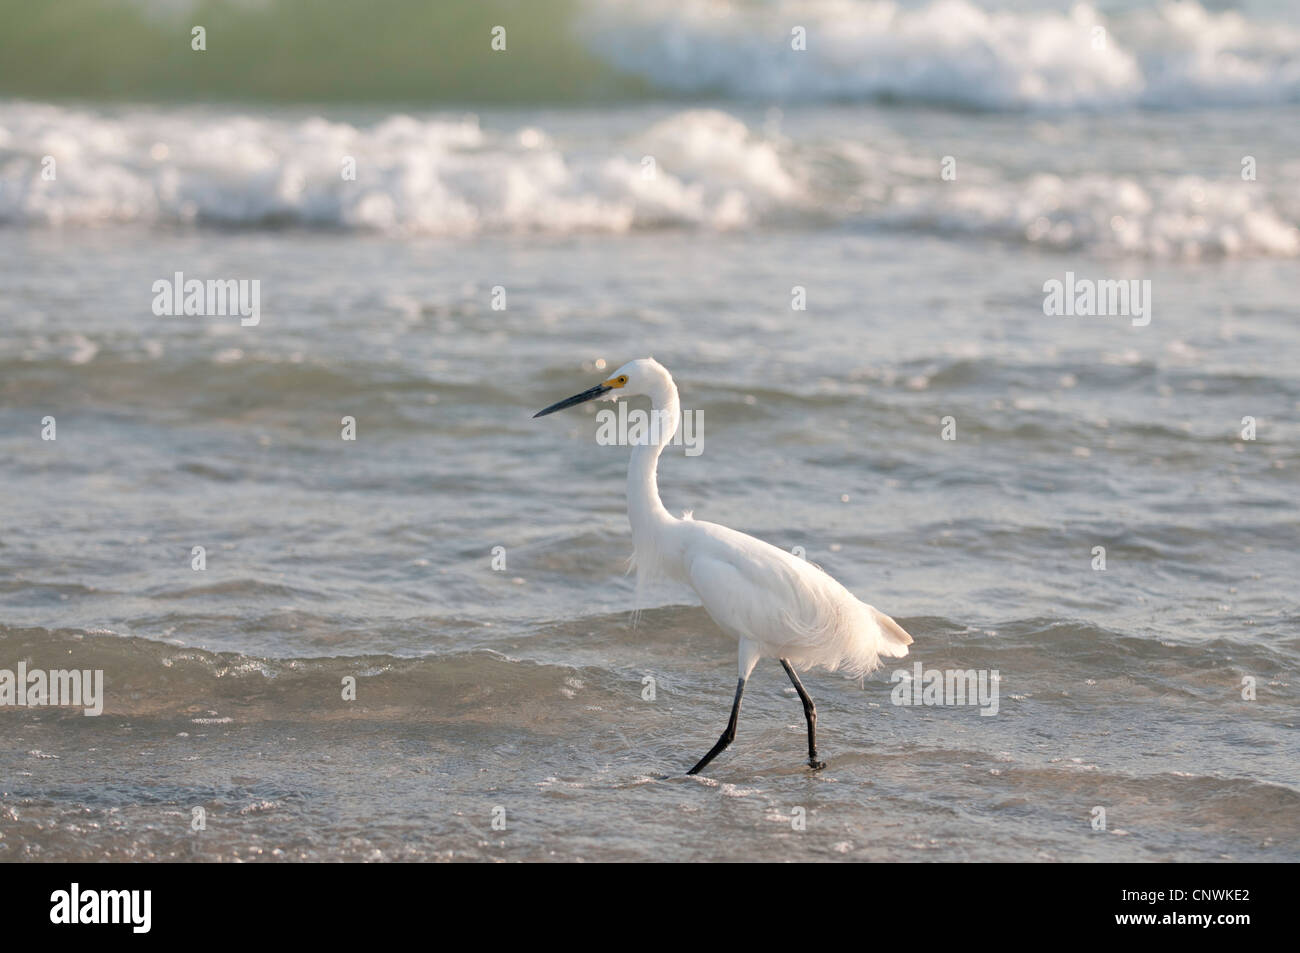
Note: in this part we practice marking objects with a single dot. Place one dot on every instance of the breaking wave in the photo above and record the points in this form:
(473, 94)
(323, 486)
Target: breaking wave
(698, 169)
(953, 52)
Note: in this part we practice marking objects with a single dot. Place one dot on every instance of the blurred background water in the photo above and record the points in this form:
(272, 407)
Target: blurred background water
(526, 171)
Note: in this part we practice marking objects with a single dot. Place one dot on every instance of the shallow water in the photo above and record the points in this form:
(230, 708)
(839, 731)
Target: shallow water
(518, 692)
(522, 689)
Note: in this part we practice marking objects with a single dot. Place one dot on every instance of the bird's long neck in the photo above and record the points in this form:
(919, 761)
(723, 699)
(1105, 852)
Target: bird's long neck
(644, 508)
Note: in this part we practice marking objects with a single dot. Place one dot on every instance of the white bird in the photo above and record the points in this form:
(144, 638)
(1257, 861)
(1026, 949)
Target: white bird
(773, 603)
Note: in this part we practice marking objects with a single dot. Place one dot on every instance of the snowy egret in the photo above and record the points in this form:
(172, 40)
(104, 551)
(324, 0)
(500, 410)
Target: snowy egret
(774, 603)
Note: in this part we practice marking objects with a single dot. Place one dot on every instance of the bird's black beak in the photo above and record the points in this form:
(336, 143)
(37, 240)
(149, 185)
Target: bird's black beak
(586, 395)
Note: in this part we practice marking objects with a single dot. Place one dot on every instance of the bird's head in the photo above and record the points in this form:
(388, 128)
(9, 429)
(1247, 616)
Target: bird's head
(640, 378)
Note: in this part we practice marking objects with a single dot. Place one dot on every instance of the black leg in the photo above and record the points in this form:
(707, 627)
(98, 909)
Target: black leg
(809, 712)
(727, 736)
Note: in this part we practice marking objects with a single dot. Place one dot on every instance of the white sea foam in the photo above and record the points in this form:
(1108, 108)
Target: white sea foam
(438, 176)
(450, 176)
(950, 51)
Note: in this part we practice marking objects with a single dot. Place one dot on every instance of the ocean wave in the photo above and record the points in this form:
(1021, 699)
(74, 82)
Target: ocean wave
(1156, 216)
(147, 677)
(1038, 655)
(956, 53)
(952, 52)
(440, 176)
(696, 169)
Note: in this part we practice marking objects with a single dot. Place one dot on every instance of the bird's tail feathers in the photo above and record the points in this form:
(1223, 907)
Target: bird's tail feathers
(855, 635)
(894, 639)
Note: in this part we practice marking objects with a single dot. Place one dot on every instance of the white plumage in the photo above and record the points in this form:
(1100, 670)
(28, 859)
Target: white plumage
(787, 607)
(773, 603)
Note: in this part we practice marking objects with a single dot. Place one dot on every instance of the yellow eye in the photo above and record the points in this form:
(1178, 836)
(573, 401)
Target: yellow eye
(622, 378)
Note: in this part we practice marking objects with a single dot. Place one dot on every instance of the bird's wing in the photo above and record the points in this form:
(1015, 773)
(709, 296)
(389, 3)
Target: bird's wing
(760, 595)
(896, 637)
(787, 606)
